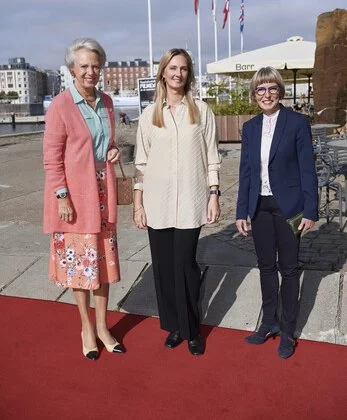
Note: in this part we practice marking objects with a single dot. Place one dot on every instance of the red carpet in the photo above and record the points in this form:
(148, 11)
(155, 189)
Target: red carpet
(45, 376)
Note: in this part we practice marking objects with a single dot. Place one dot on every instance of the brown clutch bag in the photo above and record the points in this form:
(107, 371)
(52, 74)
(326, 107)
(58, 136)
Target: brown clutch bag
(124, 188)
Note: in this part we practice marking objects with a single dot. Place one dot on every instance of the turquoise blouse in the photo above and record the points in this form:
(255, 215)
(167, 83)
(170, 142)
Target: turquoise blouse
(97, 122)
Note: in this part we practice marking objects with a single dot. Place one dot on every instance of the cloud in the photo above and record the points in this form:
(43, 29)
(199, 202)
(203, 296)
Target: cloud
(40, 30)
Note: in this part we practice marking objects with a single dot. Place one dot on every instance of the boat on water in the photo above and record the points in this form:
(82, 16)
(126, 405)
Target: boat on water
(118, 101)
(125, 101)
(46, 102)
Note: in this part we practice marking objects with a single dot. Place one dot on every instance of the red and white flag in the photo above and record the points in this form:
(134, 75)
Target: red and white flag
(226, 12)
(196, 6)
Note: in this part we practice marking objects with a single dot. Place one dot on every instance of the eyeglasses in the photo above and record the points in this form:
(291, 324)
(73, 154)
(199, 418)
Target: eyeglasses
(273, 90)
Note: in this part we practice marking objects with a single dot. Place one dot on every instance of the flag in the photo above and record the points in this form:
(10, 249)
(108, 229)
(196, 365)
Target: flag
(196, 6)
(226, 11)
(242, 16)
(213, 11)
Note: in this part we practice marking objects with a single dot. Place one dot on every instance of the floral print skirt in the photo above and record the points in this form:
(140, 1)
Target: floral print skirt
(86, 260)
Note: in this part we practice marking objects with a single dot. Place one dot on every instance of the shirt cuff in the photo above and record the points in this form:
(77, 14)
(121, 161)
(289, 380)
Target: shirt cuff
(138, 186)
(213, 178)
(61, 190)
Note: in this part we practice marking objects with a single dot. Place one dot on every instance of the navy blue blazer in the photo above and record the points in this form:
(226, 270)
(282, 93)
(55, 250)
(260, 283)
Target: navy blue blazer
(292, 173)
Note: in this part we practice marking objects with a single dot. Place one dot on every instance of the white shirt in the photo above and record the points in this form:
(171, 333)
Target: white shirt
(176, 165)
(269, 125)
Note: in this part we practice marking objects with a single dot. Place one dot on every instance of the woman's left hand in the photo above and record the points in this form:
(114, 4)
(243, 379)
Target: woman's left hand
(113, 155)
(213, 209)
(305, 225)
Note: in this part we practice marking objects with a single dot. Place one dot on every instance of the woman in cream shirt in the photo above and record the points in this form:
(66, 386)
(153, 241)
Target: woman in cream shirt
(176, 192)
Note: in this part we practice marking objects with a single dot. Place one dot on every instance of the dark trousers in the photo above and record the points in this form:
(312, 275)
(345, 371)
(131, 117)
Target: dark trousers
(177, 279)
(274, 237)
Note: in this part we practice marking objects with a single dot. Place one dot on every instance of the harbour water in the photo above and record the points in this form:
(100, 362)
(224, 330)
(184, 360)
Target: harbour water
(20, 128)
(5, 129)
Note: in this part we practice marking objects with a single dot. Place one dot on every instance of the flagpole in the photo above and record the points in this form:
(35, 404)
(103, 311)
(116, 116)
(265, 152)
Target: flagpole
(229, 33)
(150, 38)
(199, 52)
(215, 43)
(241, 42)
(229, 44)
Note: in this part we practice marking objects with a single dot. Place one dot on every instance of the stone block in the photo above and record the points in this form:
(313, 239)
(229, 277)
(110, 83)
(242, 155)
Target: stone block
(34, 283)
(318, 306)
(231, 297)
(13, 266)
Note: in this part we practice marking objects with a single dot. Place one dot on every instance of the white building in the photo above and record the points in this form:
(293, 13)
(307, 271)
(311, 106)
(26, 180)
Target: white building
(66, 79)
(20, 77)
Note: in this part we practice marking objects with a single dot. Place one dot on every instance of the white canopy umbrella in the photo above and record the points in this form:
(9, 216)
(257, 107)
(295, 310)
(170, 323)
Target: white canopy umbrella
(295, 54)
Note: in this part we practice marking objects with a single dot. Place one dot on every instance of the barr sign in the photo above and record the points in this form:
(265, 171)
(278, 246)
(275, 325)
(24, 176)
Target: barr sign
(244, 67)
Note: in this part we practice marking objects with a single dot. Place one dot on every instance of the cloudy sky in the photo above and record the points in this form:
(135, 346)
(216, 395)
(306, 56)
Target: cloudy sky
(40, 30)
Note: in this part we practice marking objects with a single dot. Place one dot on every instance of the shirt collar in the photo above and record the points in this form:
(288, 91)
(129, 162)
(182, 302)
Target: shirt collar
(78, 98)
(274, 115)
(183, 101)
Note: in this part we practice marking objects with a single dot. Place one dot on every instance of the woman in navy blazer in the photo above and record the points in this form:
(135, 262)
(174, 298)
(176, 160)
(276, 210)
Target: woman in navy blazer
(277, 181)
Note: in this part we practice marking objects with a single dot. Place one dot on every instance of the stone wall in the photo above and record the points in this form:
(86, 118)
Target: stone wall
(330, 68)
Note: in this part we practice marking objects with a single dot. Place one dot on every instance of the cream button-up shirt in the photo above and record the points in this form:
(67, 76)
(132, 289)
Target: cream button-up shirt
(176, 165)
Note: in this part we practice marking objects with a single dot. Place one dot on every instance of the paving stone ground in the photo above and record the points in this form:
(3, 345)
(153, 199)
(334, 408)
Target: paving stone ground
(230, 292)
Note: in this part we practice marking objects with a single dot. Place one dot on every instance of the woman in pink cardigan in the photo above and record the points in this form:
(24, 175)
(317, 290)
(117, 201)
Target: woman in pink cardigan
(80, 206)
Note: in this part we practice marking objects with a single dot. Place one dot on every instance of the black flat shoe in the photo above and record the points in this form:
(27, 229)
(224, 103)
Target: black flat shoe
(196, 346)
(173, 340)
(287, 346)
(264, 333)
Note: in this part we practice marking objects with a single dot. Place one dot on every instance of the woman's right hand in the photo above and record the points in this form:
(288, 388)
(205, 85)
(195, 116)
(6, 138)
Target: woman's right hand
(140, 218)
(242, 226)
(65, 209)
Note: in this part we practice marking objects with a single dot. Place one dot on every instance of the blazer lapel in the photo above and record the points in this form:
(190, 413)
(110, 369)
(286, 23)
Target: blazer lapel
(281, 122)
(256, 139)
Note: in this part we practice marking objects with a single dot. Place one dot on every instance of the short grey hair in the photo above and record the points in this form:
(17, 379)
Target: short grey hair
(267, 75)
(87, 43)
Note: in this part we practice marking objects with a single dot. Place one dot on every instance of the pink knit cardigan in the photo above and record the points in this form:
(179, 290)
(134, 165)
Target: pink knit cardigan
(69, 162)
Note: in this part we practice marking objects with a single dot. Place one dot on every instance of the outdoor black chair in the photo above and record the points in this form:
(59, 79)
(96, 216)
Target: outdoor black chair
(326, 179)
(319, 138)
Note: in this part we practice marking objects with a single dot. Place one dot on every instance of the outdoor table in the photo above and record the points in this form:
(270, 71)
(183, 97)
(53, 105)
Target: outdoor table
(324, 128)
(327, 125)
(338, 144)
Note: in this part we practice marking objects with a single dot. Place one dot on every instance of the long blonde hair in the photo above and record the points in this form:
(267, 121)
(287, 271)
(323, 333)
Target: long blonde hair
(161, 91)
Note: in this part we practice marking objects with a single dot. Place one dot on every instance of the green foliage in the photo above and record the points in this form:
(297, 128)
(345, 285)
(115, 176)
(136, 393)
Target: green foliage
(3, 95)
(239, 106)
(239, 103)
(215, 89)
(12, 95)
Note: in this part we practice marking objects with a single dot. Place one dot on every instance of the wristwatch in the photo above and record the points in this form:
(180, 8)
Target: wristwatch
(62, 195)
(216, 192)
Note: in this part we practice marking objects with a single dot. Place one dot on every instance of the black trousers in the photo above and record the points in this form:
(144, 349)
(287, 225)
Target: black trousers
(273, 237)
(177, 279)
